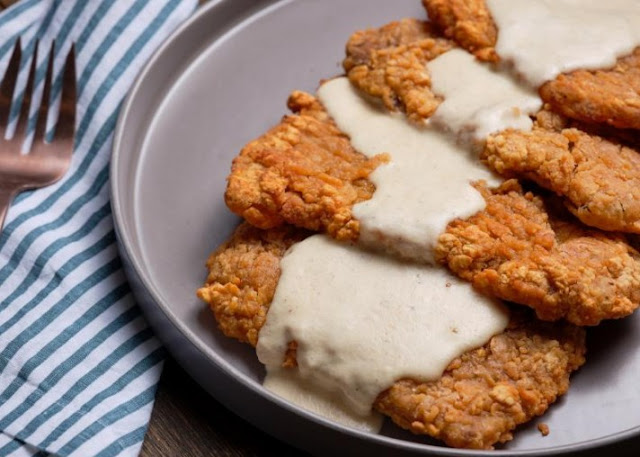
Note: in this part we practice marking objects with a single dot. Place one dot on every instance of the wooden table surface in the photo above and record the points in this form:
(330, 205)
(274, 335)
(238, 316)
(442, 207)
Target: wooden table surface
(187, 422)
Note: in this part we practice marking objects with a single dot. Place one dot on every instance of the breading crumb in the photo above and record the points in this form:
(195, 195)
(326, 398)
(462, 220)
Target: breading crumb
(544, 429)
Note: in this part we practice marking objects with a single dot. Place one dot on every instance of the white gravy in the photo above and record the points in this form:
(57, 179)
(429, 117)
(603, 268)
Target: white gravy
(313, 396)
(543, 38)
(363, 321)
(478, 100)
(426, 185)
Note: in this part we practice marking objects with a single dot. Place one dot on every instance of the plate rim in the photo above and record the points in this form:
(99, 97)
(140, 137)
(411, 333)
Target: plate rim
(125, 245)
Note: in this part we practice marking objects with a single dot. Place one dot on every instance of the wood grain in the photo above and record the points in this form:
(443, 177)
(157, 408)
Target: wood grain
(187, 422)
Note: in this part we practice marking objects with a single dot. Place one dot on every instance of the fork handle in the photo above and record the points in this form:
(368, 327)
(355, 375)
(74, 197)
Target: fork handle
(6, 197)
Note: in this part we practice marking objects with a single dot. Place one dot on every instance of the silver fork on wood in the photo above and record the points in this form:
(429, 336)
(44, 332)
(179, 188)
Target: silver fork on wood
(45, 163)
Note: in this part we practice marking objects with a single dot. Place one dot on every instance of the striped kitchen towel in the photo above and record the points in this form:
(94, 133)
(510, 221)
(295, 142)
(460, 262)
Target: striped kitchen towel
(78, 363)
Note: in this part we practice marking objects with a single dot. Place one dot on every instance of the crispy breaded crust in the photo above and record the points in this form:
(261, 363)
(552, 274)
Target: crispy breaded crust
(602, 96)
(314, 184)
(520, 250)
(480, 398)
(468, 22)
(243, 273)
(608, 96)
(304, 172)
(389, 63)
(484, 394)
(598, 177)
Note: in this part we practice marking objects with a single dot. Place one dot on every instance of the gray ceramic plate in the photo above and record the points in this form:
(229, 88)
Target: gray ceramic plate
(221, 80)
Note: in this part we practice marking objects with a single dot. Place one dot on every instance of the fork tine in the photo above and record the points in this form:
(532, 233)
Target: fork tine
(9, 83)
(43, 112)
(23, 117)
(65, 126)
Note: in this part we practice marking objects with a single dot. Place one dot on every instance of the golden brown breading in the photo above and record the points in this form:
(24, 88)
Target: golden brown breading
(524, 251)
(481, 397)
(243, 273)
(389, 63)
(603, 96)
(468, 22)
(304, 172)
(598, 177)
(484, 394)
(586, 278)
(610, 96)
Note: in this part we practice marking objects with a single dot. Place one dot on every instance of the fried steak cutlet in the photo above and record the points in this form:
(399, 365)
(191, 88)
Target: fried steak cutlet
(603, 96)
(304, 171)
(513, 249)
(610, 96)
(598, 177)
(389, 63)
(527, 250)
(482, 395)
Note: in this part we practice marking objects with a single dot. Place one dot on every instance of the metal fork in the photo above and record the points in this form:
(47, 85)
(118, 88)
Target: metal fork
(46, 162)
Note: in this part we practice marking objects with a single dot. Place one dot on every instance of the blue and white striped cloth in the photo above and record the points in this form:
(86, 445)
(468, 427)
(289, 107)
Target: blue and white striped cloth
(78, 363)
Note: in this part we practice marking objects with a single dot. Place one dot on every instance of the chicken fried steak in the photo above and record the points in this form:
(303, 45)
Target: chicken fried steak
(480, 398)
(610, 96)
(551, 236)
(526, 250)
(598, 177)
(304, 172)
